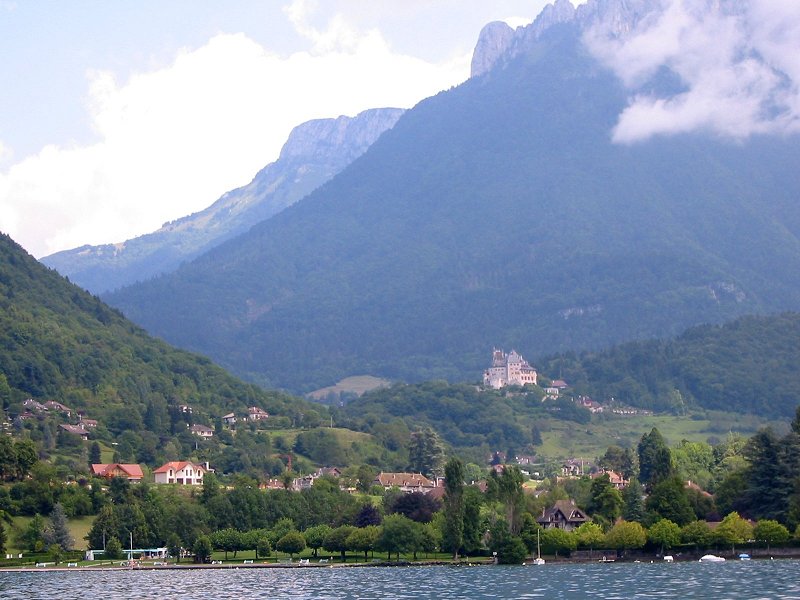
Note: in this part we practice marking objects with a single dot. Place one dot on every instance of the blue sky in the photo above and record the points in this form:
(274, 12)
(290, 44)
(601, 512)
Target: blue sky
(116, 117)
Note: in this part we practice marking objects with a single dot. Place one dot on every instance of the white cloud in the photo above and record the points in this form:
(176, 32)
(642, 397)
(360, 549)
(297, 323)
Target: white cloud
(171, 141)
(739, 66)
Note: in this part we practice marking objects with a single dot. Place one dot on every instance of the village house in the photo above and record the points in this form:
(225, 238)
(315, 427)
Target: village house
(32, 404)
(58, 407)
(587, 403)
(202, 431)
(555, 388)
(229, 419)
(406, 482)
(181, 472)
(88, 423)
(508, 369)
(255, 413)
(564, 514)
(77, 430)
(618, 481)
(131, 472)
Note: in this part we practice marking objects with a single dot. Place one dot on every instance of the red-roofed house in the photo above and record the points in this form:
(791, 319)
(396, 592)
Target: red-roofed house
(180, 472)
(129, 472)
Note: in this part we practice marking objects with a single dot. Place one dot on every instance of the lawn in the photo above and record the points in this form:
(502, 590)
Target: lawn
(79, 528)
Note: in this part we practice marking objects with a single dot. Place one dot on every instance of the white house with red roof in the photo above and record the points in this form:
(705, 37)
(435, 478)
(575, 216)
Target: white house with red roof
(181, 472)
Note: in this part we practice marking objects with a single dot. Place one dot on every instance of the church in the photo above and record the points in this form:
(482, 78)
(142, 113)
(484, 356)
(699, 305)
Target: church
(508, 369)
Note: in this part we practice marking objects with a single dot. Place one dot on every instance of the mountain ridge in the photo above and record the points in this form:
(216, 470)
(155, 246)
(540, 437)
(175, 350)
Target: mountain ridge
(314, 152)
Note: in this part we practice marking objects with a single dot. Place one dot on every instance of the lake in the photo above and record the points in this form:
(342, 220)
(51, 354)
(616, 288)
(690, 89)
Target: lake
(733, 579)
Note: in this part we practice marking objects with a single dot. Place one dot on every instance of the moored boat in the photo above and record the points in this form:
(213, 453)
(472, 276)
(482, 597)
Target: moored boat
(712, 558)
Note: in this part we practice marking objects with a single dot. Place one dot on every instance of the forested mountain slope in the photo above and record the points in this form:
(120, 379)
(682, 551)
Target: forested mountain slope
(57, 342)
(747, 366)
(498, 213)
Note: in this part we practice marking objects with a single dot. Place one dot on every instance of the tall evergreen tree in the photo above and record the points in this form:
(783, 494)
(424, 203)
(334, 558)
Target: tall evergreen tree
(426, 452)
(766, 496)
(57, 532)
(655, 461)
(453, 534)
(633, 501)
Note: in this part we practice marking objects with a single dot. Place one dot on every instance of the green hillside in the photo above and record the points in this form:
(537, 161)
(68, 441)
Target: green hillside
(747, 366)
(497, 213)
(59, 343)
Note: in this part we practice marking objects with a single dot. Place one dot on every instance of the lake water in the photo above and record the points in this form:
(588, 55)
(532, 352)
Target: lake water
(733, 579)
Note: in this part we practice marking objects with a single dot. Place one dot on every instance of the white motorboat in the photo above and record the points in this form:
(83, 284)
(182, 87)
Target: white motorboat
(712, 558)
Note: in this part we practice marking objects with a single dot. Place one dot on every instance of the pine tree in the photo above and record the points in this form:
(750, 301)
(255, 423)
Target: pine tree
(57, 532)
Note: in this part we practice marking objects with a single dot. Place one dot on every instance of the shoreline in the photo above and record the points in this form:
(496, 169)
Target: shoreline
(479, 562)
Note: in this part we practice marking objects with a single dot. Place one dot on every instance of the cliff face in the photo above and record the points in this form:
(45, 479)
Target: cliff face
(314, 152)
(493, 42)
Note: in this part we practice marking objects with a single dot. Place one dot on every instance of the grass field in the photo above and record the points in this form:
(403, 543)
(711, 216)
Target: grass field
(357, 384)
(567, 439)
(78, 527)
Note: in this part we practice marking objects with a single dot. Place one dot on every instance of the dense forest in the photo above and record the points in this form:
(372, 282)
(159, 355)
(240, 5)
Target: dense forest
(745, 366)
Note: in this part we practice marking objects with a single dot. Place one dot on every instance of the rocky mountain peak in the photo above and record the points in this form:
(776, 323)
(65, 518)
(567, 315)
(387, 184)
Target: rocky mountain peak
(493, 42)
(353, 135)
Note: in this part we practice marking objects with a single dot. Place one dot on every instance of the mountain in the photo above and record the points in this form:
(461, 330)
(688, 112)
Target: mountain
(314, 152)
(746, 366)
(57, 342)
(498, 213)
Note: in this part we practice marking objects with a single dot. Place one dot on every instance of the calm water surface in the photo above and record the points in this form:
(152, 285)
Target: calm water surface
(735, 580)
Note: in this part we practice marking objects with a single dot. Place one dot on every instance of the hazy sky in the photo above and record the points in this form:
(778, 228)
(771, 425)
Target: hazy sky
(118, 116)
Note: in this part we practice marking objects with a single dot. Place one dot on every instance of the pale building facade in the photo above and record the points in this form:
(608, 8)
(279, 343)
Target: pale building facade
(508, 369)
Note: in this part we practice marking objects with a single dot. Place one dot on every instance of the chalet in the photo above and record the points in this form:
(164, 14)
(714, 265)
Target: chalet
(77, 430)
(132, 473)
(58, 407)
(202, 431)
(406, 482)
(564, 514)
(33, 405)
(181, 472)
(229, 419)
(88, 423)
(255, 413)
(508, 369)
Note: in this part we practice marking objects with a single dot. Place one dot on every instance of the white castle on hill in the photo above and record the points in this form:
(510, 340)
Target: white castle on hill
(508, 369)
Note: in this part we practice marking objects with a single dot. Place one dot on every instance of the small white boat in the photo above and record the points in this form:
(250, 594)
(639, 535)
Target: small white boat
(744, 556)
(712, 558)
(538, 560)
(668, 558)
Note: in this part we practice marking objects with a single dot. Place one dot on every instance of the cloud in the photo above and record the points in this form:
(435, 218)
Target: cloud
(737, 62)
(171, 141)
